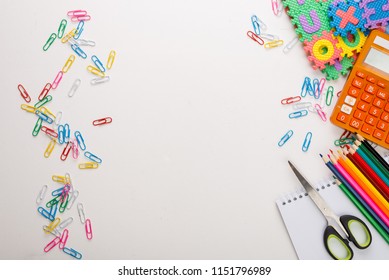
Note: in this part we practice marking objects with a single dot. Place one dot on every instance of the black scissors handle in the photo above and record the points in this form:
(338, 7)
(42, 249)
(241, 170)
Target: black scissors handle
(338, 247)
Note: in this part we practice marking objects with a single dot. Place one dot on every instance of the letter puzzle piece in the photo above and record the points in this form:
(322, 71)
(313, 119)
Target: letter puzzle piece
(351, 43)
(376, 13)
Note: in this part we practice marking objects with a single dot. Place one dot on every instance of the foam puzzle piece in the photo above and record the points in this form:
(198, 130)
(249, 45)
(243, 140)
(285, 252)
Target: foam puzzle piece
(376, 13)
(351, 43)
(342, 67)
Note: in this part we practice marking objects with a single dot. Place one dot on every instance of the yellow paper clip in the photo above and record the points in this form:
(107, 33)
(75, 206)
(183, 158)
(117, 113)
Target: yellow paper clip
(68, 36)
(88, 165)
(68, 63)
(59, 179)
(28, 108)
(47, 112)
(274, 44)
(52, 225)
(50, 148)
(111, 59)
(95, 71)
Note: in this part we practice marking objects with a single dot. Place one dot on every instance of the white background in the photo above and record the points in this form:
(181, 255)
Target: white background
(191, 166)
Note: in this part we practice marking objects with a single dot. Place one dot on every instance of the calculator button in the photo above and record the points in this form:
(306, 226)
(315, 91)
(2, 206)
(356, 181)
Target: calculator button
(357, 83)
(374, 111)
(371, 79)
(350, 100)
(353, 91)
(363, 106)
(355, 123)
(346, 109)
(382, 94)
(360, 74)
(371, 120)
(368, 129)
(382, 125)
(387, 139)
(360, 115)
(342, 117)
(378, 103)
(385, 116)
(378, 134)
(367, 97)
(381, 84)
(371, 89)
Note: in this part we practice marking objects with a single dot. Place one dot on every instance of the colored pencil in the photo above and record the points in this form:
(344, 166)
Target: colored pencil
(373, 151)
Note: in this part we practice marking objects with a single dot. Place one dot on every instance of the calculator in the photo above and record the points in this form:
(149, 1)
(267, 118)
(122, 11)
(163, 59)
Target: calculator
(363, 105)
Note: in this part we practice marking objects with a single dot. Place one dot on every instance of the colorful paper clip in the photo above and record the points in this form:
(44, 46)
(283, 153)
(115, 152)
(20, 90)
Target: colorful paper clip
(75, 150)
(61, 28)
(102, 121)
(88, 165)
(72, 199)
(41, 194)
(322, 85)
(76, 13)
(68, 36)
(65, 223)
(24, 93)
(111, 59)
(321, 113)
(50, 148)
(44, 101)
(73, 253)
(45, 213)
(80, 140)
(46, 111)
(316, 88)
(344, 141)
(49, 41)
(53, 225)
(98, 63)
(307, 142)
(28, 108)
(289, 46)
(75, 86)
(274, 44)
(53, 201)
(306, 88)
(276, 7)
(302, 105)
(95, 71)
(83, 42)
(329, 95)
(61, 134)
(68, 63)
(97, 81)
(64, 239)
(58, 118)
(55, 232)
(256, 26)
(298, 114)
(76, 48)
(255, 37)
(79, 29)
(66, 132)
(52, 244)
(92, 157)
(88, 229)
(80, 18)
(44, 117)
(53, 210)
(44, 91)
(58, 179)
(37, 127)
(49, 131)
(66, 151)
(57, 79)
(81, 213)
(285, 138)
(269, 37)
(290, 100)
(57, 192)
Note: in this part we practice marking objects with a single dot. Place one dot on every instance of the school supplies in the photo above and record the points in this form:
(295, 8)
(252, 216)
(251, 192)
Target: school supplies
(362, 106)
(339, 230)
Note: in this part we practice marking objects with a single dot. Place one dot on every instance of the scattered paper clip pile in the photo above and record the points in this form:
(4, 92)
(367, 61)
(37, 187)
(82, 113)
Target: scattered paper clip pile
(321, 99)
(62, 200)
(258, 36)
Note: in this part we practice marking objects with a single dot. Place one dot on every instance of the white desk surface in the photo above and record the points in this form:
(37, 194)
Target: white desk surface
(191, 166)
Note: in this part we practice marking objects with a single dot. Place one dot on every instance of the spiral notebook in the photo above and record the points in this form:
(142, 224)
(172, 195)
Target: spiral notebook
(305, 223)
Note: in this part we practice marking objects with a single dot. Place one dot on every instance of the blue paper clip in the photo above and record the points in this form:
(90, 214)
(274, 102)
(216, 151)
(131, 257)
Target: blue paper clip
(79, 51)
(72, 252)
(92, 157)
(316, 88)
(66, 133)
(298, 114)
(45, 213)
(61, 134)
(44, 117)
(80, 140)
(79, 29)
(57, 192)
(306, 87)
(98, 63)
(53, 210)
(254, 21)
(307, 142)
(285, 138)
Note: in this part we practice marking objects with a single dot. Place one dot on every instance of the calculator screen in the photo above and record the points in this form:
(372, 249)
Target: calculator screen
(378, 59)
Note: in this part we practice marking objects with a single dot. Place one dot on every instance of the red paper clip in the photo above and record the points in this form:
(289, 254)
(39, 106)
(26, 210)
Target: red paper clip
(45, 91)
(290, 100)
(57, 79)
(321, 113)
(255, 37)
(88, 229)
(102, 121)
(49, 131)
(24, 93)
(66, 151)
(52, 244)
(64, 238)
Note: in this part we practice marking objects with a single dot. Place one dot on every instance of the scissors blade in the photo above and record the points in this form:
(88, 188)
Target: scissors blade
(317, 199)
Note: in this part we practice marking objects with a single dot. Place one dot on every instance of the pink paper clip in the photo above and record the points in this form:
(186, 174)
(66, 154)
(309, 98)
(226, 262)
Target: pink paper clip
(64, 238)
(77, 13)
(65, 192)
(321, 113)
(290, 100)
(321, 85)
(276, 7)
(45, 91)
(52, 244)
(88, 229)
(102, 121)
(80, 18)
(49, 131)
(255, 37)
(75, 150)
(24, 93)
(57, 79)
(66, 151)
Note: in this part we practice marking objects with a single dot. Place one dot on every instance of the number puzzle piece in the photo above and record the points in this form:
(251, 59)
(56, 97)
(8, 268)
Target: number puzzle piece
(376, 13)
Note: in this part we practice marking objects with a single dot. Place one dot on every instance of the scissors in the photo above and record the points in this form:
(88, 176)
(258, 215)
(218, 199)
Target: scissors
(339, 230)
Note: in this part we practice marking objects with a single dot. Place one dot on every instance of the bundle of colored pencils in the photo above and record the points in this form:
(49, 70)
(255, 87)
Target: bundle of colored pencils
(363, 175)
